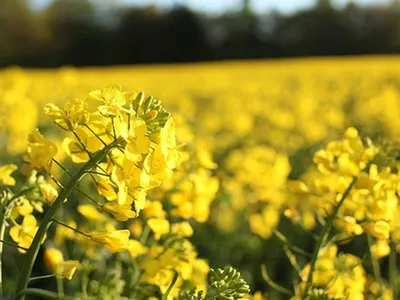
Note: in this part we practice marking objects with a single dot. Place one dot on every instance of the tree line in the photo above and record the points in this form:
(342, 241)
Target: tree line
(83, 32)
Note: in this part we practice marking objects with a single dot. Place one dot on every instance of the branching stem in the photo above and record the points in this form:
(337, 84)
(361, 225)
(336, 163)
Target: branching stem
(30, 256)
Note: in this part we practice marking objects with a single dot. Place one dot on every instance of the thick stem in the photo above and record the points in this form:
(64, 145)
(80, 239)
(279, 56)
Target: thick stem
(323, 238)
(32, 253)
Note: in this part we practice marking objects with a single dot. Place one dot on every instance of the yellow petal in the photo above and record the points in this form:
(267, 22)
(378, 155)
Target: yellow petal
(68, 268)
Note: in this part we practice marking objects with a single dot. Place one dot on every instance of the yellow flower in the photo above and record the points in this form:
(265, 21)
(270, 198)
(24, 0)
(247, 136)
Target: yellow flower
(40, 151)
(105, 188)
(159, 227)
(54, 261)
(379, 229)
(59, 116)
(5, 172)
(23, 234)
(155, 165)
(133, 176)
(22, 208)
(204, 157)
(324, 161)
(78, 152)
(136, 228)
(137, 141)
(115, 241)
(154, 209)
(49, 192)
(346, 166)
(68, 268)
(113, 99)
(381, 248)
(90, 212)
(168, 135)
(136, 248)
(264, 223)
(74, 113)
(200, 272)
(122, 212)
(75, 151)
(184, 229)
(259, 296)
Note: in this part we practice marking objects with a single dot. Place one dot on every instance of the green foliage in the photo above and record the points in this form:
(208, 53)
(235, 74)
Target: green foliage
(320, 294)
(226, 284)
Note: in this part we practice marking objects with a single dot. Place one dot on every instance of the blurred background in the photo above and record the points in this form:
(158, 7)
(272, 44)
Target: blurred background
(51, 33)
(264, 119)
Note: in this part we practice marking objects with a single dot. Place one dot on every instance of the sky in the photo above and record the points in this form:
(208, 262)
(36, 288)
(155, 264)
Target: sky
(219, 6)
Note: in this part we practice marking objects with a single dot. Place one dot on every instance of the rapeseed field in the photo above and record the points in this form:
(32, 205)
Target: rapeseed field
(275, 179)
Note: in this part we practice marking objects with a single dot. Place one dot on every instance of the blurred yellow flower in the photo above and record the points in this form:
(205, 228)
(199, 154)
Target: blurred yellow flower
(54, 261)
(159, 227)
(5, 172)
(115, 241)
(90, 212)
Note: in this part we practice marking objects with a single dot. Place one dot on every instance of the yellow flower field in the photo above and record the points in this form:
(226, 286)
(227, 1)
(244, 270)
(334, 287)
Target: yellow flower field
(286, 170)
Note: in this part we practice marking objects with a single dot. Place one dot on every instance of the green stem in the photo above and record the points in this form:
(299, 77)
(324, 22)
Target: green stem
(89, 197)
(12, 244)
(286, 242)
(292, 259)
(42, 294)
(56, 181)
(100, 174)
(95, 134)
(82, 144)
(90, 153)
(112, 123)
(165, 296)
(78, 190)
(62, 167)
(60, 287)
(272, 284)
(71, 228)
(375, 266)
(323, 238)
(2, 231)
(32, 253)
(145, 234)
(393, 270)
(84, 281)
(41, 277)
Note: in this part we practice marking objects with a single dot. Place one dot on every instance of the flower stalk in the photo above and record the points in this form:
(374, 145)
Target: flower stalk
(323, 238)
(32, 253)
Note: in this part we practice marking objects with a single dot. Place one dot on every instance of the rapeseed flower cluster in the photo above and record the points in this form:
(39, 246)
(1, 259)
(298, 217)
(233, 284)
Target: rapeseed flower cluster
(257, 183)
(125, 143)
(351, 169)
